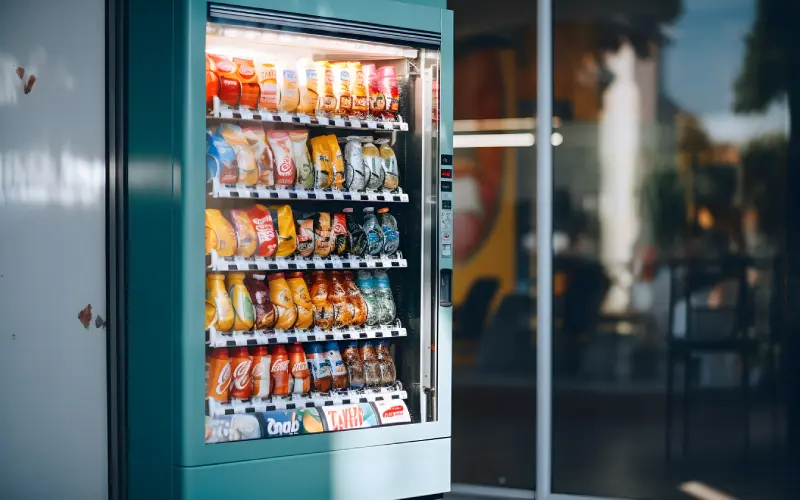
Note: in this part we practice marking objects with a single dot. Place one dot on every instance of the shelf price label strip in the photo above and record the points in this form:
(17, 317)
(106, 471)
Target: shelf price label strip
(240, 113)
(221, 264)
(256, 193)
(310, 401)
(268, 337)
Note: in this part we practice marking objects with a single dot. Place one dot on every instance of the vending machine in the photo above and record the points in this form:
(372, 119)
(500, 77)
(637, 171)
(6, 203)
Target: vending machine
(287, 249)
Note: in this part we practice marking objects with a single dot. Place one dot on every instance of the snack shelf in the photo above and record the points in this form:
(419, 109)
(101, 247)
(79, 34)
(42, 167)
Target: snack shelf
(221, 111)
(220, 264)
(313, 400)
(219, 190)
(215, 338)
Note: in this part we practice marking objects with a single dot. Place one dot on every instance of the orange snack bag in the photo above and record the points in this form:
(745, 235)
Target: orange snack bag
(358, 89)
(327, 101)
(230, 89)
(212, 82)
(246, 72)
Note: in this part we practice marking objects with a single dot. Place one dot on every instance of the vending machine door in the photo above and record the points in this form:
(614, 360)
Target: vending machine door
(224, 439)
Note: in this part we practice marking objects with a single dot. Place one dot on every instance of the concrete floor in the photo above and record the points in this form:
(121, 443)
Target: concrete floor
(611, 444)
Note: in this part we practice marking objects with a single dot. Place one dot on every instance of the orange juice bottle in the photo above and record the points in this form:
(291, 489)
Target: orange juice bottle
(216, 293)
(244, 314)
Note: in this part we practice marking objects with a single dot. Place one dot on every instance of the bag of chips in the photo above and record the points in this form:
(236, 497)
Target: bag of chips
(220, 235)
(372, 159)
(230, 89)
(337, 161)
(221, 159)
(302, 160)
(287, 237)
(323, 172)
(263, 220)
(281, 146)
(246, 73)
(358, 89)
(245, 158)
(309, 82)
(268, 84)
(327, 101)
(245, 233)
(289, 91)
(341, 89)
(389, 162)
(305, 235)
(254, 133)
(322, 234)
(355, 171)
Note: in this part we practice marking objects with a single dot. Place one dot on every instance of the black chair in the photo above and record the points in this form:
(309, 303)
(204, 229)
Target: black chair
(726, 332)
(505, 346)
(470, 317)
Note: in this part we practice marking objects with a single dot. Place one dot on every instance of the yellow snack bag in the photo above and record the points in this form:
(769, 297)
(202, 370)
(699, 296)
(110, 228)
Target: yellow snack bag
(216, 294)
(337, 161)
(287, 236)
(358, 89)
(301, 299)
(323, 172)
(281, 296)
(341, 88)
(220, 235)
(309, 82)
(327, 101)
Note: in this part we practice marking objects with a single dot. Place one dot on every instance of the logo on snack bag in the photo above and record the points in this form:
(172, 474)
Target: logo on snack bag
(286, 166)
(246, 71)
(224, 379)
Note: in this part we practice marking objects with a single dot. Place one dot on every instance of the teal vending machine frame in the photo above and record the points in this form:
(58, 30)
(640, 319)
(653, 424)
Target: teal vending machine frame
(165, 195)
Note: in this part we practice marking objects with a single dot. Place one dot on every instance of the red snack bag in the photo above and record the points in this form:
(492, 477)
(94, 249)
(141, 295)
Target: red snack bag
(388, 85)
(377, 102)
(264, 224)
(251, 92)
(230, 89)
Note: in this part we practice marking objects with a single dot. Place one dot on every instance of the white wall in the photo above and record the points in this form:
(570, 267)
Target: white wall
(53, 442)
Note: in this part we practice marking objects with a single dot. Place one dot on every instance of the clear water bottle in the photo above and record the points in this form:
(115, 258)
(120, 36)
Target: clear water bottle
(391, 236)
(367, 286)
(374, 233)
(384, 295)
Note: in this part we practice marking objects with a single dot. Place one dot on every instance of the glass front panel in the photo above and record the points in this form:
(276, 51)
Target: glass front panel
(672, 167)
(318, 311)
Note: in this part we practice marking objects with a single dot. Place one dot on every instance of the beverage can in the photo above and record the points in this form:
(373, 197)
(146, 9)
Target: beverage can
(337, 365)
(242, 377)
(352, 361)
(262, 362)
(320, 367)
(300, 380)
(373, 231)
(219, 375)
(391, 236)
(280, 371)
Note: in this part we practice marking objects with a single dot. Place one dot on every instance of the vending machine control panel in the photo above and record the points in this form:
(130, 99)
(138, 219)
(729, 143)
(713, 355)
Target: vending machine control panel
(446, 229)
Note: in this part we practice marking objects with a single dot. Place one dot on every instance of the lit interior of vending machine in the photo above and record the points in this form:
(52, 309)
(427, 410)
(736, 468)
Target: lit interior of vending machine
(319, 279)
